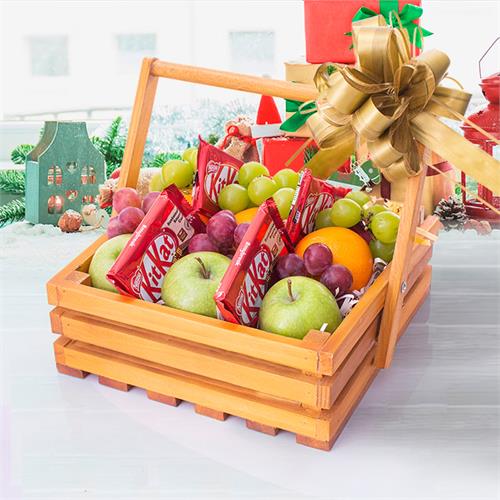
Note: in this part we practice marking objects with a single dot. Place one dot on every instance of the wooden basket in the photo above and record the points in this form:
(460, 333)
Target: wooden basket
(309, 387)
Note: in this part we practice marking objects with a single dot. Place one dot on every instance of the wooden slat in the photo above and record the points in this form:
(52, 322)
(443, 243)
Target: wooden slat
(139, 125)
(195, 389)
(206, 331)
(340, 344)
(399, 270)
(340, 379)
(319, 426)
(275, 380)
(234, 81)
(415, 299)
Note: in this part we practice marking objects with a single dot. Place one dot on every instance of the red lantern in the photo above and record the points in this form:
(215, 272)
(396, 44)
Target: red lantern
(488, 119)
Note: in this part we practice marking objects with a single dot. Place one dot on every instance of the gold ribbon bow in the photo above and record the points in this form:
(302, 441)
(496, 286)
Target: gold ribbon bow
(392, 100)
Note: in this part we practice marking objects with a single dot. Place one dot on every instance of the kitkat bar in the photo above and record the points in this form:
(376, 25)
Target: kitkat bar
(246, 281)
(158, 241)
(311, 196)
(216, 169)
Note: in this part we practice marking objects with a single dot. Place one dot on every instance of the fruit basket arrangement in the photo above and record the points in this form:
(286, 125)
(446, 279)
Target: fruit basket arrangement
(278, 313)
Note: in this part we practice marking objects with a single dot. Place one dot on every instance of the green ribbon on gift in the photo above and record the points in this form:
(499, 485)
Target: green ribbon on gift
(301, 112)
(408, 15)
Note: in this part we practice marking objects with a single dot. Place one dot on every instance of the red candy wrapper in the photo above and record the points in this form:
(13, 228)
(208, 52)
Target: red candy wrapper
(246, 281)
(216, 169)
(156, 244)
(311, 196)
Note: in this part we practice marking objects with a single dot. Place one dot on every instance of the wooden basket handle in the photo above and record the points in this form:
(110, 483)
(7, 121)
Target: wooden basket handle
(152, 69)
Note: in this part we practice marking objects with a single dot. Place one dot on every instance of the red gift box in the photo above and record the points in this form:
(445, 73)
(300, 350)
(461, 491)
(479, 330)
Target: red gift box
(327, 21)
(276, 151)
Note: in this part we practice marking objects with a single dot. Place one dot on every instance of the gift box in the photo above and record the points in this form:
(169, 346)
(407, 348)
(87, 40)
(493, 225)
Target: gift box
(328, 21)
(276, 151)
(298, 71)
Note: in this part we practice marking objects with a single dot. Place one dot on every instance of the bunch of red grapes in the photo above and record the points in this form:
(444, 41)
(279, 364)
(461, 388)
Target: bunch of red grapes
(130, 209)
(223, 235)
(317, 263)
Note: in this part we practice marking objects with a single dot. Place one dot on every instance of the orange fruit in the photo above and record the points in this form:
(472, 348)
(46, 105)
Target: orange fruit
(246, 215)
(348, 249)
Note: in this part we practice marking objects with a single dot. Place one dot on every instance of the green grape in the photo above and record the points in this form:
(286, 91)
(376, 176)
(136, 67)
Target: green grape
(381, 250)
(260, 189)
(178, 172)
(249, 171)
(156, 182)
(283, 199)
(191, 156)
(233, 197)
(360, 197)
(286, 178)
(372, 211)
(384, 227)
(345, 213)
(324, 219)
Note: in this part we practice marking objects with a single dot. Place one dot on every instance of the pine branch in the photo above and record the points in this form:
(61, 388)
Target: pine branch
(19, 154)
(12, 212)
(161, 158)
(12, 181)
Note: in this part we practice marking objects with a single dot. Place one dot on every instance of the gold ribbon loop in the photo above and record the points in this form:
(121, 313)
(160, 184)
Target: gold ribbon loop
(390, 100)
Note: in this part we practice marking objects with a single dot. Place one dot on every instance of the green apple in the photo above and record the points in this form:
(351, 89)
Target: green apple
(191, 156)
(296, 305)
(103, 259)
(191, 283)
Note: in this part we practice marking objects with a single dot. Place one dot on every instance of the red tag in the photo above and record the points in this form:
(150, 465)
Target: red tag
(156, 244)
(311, 196)
(216, 169)
(246, 281)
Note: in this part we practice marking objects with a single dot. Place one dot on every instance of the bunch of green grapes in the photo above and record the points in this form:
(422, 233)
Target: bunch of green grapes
(254, 186)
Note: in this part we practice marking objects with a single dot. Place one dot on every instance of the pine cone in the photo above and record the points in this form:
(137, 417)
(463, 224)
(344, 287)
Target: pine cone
(452, 214)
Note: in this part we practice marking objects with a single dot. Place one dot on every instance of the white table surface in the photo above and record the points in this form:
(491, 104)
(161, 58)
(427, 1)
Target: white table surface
(427, 428)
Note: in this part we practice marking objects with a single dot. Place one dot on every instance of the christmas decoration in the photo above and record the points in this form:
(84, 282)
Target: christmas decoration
(63, 171)
(238, 141)
(451, 213)
(327, 22)
(19, 154)
(70, 221)
(486, 204)
(12, 181)
(12, 212)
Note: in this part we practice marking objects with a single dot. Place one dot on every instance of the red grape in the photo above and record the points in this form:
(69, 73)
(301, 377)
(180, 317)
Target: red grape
(114, 227)
(317, 258)
(201, 243)
(290, 265)
(360, 229)
(148, 201)
(337, 278)
(239, 232)
(130, 218)
(225, 213)
(220, 229)
(126, 197)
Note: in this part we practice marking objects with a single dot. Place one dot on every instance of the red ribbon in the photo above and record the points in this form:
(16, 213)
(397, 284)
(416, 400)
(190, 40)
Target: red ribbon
(234, 131)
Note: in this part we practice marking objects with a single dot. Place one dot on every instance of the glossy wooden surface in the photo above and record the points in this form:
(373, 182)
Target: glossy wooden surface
(431, 419)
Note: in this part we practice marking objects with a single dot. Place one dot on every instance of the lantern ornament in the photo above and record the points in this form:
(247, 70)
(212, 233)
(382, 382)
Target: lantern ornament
(63, 172)
(488, 119)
